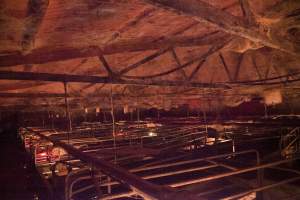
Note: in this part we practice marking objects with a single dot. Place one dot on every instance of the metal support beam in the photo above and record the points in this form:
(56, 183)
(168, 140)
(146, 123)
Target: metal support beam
(216, 45)
(8, 75)
(68, 114)
(50, 54)
(238, 67)
(131, 22)
(225, 67)
(106, 66)
(174, 55)
(143, 61)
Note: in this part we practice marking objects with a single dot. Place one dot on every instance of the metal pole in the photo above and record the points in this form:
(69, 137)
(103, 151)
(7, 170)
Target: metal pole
(52, 120)
(68, 115)
(113, 123)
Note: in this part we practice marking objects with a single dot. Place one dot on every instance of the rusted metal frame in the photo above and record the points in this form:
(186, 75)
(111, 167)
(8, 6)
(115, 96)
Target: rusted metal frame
(194, 72)
(132, 22)
(68, 181)
(208, 14)
(157, 165)
(157, 53)
(143, 61)
(187, 64)
(279, 75)
(171, 139)
(82, 189)
(159, 175)
(111, 74)
(174, 55)
(222, 165)
(69, 184)
(223, 175)
(96, 176)
(49, 54)
(225, 66)
(165, 174)
(256, 67)
(138, 138)
(174, 140)
(161, 52)
(265, 80)
(247, 13)
(238, 67)
(211, 51)
(143, 188)
(8, 75)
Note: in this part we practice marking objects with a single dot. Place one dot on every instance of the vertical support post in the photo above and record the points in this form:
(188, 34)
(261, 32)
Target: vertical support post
(52, 120)
(96, 176)
(113, 122)
(114, 134)
(260, 177)
(233, 144)
(266, 110)
(68, 115)
(206, 129)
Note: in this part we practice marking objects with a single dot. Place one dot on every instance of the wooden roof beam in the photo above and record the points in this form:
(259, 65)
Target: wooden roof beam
(206, 13)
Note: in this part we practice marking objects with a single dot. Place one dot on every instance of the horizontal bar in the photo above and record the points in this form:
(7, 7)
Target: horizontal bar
(50, 54)
(31, 76)
(214, 177)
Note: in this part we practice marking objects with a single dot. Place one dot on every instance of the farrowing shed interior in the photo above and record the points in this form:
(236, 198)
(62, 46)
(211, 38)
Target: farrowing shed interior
(151, 99)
